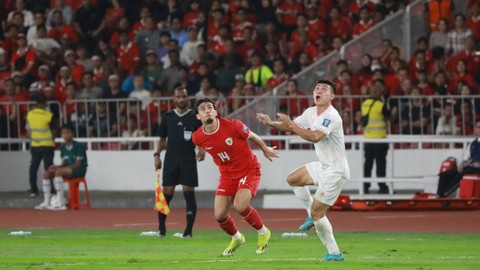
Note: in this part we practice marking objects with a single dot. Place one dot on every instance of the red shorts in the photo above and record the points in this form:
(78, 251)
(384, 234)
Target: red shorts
(229, 186)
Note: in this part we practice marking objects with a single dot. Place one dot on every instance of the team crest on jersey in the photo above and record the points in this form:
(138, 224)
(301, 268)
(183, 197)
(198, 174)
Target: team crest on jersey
(244, 128)
(229, 141)
(326, 122)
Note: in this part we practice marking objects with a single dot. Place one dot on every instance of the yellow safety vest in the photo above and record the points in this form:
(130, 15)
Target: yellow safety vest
(377, 127)
(39, 125)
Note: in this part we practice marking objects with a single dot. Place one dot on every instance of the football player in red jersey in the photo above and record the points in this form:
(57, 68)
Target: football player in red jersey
(226, 141)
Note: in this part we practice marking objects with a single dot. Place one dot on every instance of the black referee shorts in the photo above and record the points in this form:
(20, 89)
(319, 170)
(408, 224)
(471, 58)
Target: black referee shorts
(180, 169)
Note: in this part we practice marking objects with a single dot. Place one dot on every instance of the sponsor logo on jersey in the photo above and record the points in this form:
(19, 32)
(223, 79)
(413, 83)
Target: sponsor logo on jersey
(244, 128)
(180, 124)
(208, 148)
(326, 122)
(229, 141)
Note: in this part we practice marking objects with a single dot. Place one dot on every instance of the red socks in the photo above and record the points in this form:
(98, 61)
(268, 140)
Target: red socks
(251, 216)
(228, 225)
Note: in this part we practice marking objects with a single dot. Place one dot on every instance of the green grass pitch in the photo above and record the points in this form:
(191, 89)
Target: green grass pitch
(125, 249)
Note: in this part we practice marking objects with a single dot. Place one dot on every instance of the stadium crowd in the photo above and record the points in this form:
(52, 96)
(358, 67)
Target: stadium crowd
(110, 66)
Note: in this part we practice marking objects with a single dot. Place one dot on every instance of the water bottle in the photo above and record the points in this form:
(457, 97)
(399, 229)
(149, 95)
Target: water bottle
(294, 234)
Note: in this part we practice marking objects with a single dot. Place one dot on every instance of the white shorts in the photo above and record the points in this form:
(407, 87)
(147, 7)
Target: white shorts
(329, 184)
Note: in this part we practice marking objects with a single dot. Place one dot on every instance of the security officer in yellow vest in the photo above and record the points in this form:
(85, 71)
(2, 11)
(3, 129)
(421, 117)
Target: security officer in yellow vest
(378, 115)
(40, 124)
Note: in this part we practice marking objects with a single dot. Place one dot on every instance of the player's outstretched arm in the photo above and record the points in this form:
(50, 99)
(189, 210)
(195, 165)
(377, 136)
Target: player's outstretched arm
(268, 152)
(265, 119)
(309, 135)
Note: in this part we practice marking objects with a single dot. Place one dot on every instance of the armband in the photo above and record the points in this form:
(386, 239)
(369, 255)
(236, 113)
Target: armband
(156, 154)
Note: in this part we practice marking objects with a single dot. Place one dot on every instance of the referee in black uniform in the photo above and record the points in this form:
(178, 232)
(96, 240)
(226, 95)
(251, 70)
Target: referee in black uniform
(175, 131)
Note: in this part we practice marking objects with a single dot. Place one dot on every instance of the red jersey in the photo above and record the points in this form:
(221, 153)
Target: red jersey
(228, 147)
(66, 32)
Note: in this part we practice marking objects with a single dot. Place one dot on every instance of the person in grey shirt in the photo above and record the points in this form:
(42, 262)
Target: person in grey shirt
(170, 75)
(89, 90)
(148, 38)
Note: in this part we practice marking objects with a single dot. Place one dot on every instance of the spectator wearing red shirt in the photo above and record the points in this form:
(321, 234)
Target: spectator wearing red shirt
(23, 60)
(140, 24)
(470, 56)
(356, 6)
(241, 23)
(423, 84)
(340, 66)
(418, 62)
(191, 16)
(287, 15)
(123, 25)
(99, 72)
(218, 20)
(59, 93)
(345, 80)
(473, 21)
(316, 24)
(250, 44)
(279, 75)
(303, 44)
(393, 82)
(76, 70)
(365, 71)
(15, 112)
(70, 103)
(302, 25)
(460, 75)
(365, 23)
(337, 26)
(128, 53)
(297, 102)
(4, 68)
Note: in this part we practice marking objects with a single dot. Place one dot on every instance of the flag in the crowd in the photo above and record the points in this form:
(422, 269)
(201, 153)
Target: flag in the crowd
(161, 204)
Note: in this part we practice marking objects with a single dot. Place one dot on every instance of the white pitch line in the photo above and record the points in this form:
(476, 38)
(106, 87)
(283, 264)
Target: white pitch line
(394, 216)
(139, 224)
(254, 260)
(282, 219)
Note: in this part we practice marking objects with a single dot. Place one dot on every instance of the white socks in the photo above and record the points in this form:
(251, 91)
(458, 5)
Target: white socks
(237, 236)
(262, 231)
(47, 190)
(58, 183)
(325, 233)
(303, 194)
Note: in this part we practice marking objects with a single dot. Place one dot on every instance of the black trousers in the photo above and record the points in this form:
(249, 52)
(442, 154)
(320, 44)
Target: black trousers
(449, 181)
(375, 152)
(38, 154)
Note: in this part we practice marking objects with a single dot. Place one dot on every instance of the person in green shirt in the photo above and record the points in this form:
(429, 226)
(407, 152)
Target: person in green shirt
(74, 165)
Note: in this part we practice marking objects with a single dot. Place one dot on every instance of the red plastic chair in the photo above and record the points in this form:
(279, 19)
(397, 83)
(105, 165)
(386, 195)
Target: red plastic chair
(74, 202)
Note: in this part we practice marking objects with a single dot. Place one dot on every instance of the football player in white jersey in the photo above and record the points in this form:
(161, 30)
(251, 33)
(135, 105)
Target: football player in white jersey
(321, 125)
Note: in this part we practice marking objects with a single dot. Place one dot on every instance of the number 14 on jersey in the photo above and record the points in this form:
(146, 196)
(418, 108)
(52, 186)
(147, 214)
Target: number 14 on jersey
(223, 156)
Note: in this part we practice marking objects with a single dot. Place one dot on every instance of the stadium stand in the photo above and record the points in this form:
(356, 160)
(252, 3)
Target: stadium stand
(71, 49)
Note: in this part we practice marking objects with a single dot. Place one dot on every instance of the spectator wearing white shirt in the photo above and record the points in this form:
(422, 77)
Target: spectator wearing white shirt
(189, 49)
(27, 14)
(446, 122)
(456, 37)
(45, 48)
(66, 10)
(39, 19)
(139, 92)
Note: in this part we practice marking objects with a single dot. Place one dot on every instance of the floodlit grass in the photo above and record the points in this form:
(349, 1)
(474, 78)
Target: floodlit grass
(125, 249)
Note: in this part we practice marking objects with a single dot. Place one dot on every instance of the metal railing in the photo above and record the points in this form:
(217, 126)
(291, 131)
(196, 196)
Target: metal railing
(126, 118)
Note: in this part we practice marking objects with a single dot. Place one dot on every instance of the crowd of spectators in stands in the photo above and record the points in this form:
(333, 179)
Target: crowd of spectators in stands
(84, 53)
